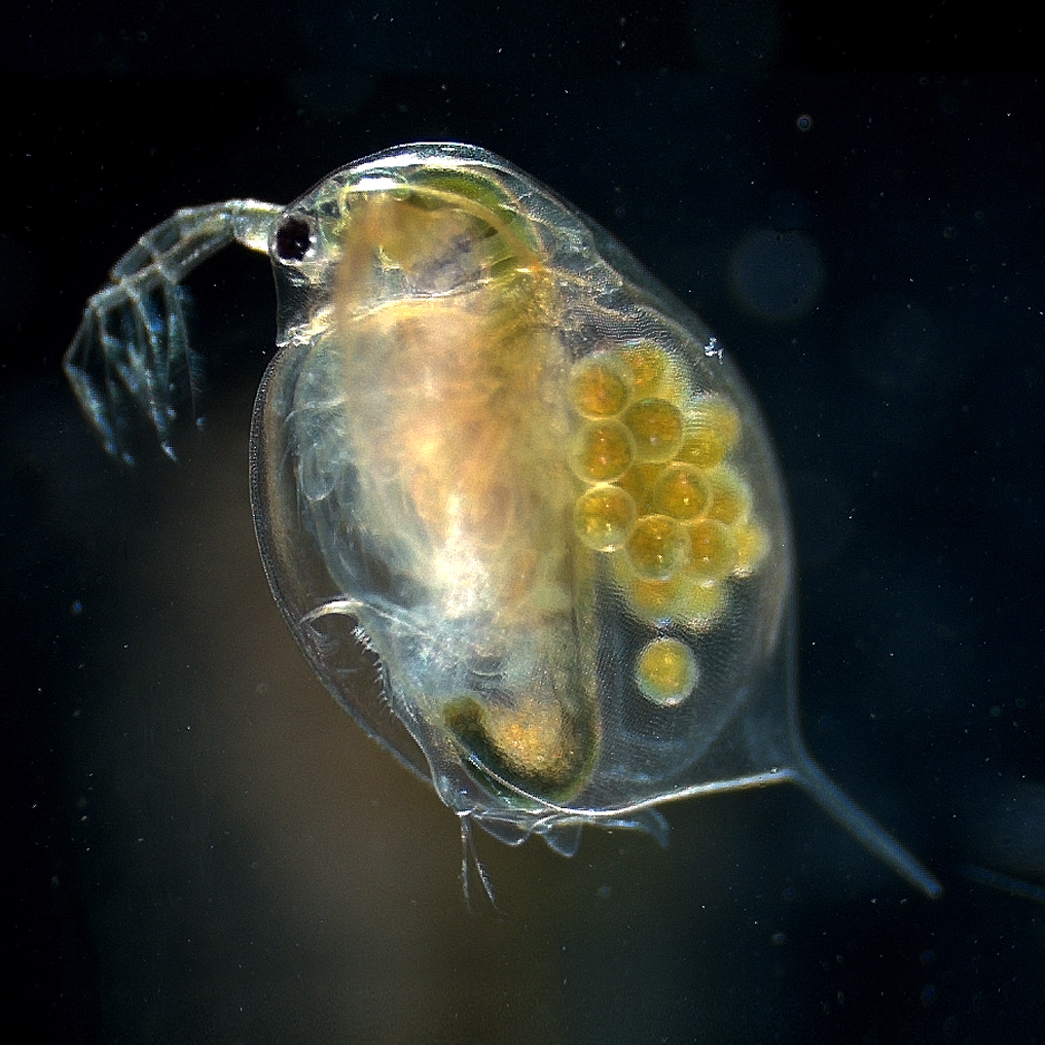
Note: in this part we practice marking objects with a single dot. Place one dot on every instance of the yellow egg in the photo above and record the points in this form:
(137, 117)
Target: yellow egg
(649, 367)
(681, 492)
(666, 672)
(712, 549)
(712, 430)
(730, 498)
(639, 480)
(604, 517)
(656, 426)
(658, 547)
(599, 387)
(601, 451)
(698, 600)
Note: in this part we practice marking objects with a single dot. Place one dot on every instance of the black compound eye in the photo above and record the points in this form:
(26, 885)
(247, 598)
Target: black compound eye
(293, 238)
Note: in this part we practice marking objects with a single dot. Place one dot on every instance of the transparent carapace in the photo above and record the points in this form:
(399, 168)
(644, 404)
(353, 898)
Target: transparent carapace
(494, 450)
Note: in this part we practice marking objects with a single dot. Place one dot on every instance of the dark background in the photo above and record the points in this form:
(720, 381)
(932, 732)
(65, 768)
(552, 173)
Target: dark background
(203, 847)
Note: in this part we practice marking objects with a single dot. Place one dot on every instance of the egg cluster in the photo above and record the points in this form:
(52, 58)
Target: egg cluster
(660, 494)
